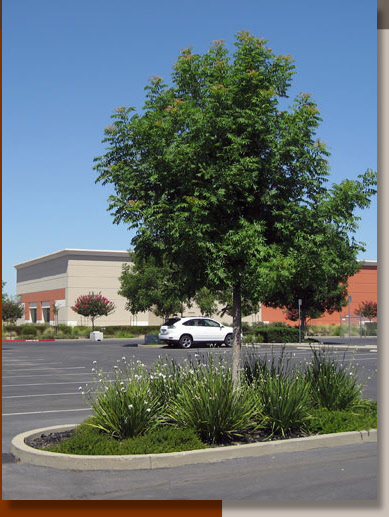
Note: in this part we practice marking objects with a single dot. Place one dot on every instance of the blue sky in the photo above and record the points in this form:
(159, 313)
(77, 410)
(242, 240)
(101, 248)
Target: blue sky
(67, 65)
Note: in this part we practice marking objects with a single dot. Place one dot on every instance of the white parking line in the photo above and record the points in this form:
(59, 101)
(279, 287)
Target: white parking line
(51, 411)
(29, 363)
(43, 368)
(44, 384)
(40, 395)
(44, 375)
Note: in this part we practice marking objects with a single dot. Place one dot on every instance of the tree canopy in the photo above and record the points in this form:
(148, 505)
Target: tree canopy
(147, 285)
(367, 309)
(11, 309)
(220, 178)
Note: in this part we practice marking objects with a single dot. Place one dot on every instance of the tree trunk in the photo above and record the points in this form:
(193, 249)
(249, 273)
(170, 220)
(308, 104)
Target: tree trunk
(237, 324)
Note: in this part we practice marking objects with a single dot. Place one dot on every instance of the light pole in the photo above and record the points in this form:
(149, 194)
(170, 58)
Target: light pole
(300, 303)
(349, 319)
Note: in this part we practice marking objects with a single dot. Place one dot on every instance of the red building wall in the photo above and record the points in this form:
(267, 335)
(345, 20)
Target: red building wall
(361, 287)
(39, 297)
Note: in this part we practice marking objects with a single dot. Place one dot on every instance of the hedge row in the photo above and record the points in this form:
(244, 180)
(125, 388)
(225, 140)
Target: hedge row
(30, 329)
(275, 335)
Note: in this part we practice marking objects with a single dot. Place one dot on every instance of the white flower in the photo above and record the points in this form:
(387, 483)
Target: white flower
(130, 406)
(94, 362)
(93, 369)
(148, 410)
(80, 388)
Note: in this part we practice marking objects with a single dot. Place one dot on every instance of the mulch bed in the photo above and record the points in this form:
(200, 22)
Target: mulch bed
(45, 440)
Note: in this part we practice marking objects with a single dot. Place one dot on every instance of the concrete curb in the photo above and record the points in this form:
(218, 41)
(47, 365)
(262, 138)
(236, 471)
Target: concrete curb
(27, 454)
(314, 346)
(25, 340)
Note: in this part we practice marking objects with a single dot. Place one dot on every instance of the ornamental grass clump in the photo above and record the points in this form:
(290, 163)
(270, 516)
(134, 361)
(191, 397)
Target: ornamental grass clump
(255, 366)
(166, 377)
(332, 385)
(283, 402)
(124, 406)
(280, 391)
(208, 403)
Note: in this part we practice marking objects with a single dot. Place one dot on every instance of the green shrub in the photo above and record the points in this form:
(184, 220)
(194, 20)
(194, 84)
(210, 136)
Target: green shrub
(323, 330)
(324, 421)
(279, 324)
(11, 327)
(90, 441)
(81, 331)
(278, 334)
(86, 440)
(132, 329)
(65, 330)
(246, 327)
(208, 403)
(123, 334)
(162, 440)
(28, 331)
(332, 385)
(49, 332)
(251, 338)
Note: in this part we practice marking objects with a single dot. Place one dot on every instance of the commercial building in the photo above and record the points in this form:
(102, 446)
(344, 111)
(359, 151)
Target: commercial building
(61, 277)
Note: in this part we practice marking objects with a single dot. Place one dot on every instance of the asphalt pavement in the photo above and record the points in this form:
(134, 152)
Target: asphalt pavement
(41, 388)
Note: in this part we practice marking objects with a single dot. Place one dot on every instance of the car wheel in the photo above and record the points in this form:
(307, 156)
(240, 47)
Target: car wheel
(228, 340)
(186, 341)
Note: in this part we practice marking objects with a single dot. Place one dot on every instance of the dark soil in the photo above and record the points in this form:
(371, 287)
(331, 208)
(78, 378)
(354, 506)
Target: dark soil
(45, 440)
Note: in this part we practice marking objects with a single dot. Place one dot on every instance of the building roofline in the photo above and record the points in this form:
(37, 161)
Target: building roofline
(368, 262)
(73, 251)
(109, 253)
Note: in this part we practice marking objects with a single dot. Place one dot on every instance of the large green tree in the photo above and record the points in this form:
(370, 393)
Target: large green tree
(149, 285)
(216, 172)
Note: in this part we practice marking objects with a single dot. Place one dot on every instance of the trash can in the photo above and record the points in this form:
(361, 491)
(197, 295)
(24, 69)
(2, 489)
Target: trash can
(96, 336)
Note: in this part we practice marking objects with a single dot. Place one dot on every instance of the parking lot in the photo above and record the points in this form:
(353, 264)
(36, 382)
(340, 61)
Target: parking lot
(41, 388)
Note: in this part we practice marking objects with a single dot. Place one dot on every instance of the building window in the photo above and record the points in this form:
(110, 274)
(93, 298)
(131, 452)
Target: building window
(46, 314)
(33, 314)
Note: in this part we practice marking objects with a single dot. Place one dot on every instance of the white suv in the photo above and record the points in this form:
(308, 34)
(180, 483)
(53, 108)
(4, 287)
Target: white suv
(197, 329)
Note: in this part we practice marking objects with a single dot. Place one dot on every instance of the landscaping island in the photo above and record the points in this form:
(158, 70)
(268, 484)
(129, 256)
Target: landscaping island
(176, 408)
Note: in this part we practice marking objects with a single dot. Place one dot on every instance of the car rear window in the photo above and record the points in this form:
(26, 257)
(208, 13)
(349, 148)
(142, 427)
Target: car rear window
(171, 321)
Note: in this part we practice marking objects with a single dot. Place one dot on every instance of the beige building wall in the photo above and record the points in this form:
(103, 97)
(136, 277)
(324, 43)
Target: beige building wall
(99, 274)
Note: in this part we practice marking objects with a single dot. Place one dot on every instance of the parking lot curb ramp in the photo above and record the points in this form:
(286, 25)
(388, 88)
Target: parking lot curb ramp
(26, 454)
